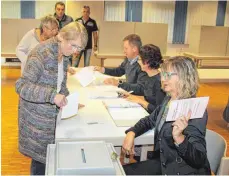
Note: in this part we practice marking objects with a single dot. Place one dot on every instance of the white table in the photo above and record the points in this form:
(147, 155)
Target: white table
(78, 129)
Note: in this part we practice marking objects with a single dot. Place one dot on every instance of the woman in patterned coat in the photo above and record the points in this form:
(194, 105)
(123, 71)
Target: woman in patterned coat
(42, 90)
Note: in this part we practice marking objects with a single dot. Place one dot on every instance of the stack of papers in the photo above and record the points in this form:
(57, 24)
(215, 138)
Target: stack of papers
(124, 113)
(127, 117)
(120, 103)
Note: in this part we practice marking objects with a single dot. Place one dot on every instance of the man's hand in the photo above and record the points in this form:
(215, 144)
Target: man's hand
(99, 69)
(111, 81)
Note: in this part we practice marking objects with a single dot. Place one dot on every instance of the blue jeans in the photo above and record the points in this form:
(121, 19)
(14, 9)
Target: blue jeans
(87, 56)
(37, 168)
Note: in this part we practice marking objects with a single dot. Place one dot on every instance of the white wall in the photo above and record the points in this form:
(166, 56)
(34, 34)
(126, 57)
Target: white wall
(160, 12)
(74, 9)
(201, 13)
(45, 7)
(115, 11)
(11, 9)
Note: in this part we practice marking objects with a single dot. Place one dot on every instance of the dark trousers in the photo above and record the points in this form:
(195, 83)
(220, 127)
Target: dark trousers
(87, 56)
(149, 167)
(37, 168)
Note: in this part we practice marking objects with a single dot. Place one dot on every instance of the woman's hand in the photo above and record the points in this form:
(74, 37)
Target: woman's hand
(138, 99)
(134, 98)
(81, 106)
(71, 70)
(128, 143)
(178, 127)
(60, 100)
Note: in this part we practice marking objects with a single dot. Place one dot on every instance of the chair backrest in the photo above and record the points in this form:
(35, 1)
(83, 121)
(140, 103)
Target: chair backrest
(216, 149)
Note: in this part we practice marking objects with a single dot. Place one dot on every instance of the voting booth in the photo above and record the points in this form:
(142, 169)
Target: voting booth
(82, 158)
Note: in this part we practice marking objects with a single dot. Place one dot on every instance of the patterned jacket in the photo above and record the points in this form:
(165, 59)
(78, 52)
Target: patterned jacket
(37, 112)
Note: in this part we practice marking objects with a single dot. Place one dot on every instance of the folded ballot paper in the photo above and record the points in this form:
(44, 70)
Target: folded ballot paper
(120, 103)
(178, 108)
(85, 76)
(71, 109)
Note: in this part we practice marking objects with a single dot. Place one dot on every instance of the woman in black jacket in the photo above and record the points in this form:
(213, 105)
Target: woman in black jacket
(150, 62)
(180, 146)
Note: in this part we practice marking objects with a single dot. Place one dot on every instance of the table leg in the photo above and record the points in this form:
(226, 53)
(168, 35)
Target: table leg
(102, 62)
(145, 149)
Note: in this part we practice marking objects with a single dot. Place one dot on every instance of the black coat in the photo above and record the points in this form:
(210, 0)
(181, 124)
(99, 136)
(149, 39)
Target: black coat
(190, 157)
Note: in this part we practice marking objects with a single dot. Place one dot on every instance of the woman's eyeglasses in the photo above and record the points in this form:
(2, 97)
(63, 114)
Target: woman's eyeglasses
(52, 30)
(167, 75)
(76, 48)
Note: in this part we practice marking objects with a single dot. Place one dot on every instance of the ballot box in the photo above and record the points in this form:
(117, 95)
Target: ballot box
(82, 158)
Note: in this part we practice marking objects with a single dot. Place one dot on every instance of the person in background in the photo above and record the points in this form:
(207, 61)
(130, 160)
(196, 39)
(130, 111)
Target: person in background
(135, 77)
(42, 91)
(92, 29)
(150, 62)
(179, 146)
(48, 28)
(226, 113)
(63, 20)
(60, 15)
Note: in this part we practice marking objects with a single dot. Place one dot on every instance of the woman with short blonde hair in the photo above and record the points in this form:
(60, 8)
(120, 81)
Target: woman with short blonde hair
(187, 72)
(42, 90)
(179, 146)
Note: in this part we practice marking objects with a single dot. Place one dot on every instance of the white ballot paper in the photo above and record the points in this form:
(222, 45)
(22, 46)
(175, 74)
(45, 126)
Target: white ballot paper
(120, 103)
(178, 108)
(71, 108)
(85, 76)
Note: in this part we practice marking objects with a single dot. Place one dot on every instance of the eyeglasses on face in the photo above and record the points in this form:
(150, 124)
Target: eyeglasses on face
(52, 30)
(167, 75)
(76, 48)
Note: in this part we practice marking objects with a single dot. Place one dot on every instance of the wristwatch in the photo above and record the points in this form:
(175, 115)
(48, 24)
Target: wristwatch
(120, 82)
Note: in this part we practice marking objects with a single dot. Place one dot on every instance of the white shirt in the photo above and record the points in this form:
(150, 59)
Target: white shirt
(27, 43)
(60, 75)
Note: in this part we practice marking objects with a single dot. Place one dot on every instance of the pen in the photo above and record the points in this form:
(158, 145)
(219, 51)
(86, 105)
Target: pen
(92, 123)
(120, 94)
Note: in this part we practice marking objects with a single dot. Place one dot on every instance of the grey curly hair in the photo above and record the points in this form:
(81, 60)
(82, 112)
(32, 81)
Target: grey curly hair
(46, 20)
(187, 72)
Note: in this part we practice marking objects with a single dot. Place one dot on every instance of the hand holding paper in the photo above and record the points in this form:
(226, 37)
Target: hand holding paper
(178, 127)
(71, 108)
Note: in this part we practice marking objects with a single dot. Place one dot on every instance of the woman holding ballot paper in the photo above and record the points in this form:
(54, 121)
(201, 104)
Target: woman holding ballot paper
(179, 146)
(42, 90)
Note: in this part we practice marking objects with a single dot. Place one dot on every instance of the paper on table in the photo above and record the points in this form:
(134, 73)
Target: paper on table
(85, 76)
(127, 116)
(71, 108)
(120, 103)
(178, 108)
(103, 94)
